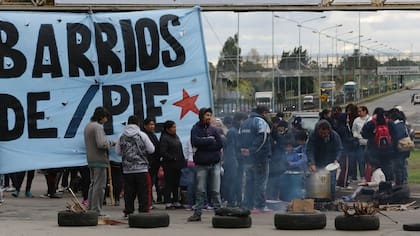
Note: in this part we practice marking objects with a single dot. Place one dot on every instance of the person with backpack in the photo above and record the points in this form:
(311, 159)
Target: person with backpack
(400, 156)
(380, 131)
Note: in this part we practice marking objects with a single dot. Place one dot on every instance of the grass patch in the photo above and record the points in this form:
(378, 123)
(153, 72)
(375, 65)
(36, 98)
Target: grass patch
(414, 167)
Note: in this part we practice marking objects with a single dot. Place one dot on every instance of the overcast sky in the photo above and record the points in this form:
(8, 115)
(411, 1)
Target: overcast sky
(396, 29)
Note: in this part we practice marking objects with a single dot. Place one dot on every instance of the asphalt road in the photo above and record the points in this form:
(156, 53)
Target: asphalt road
(38, 216)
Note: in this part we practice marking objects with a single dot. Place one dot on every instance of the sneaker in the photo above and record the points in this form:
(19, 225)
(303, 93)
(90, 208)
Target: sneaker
(348, 199)
(178, 205)
(28, 194)
(169, 206)
(188, 207)
(266, 210)
(54, 196)
(117, 203)
(15, 193)
(10, 189)
(44, 196)
(103, 215)
(85, 202)
(194, 218)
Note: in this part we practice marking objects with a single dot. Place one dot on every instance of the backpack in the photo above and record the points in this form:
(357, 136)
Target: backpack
(381, 135)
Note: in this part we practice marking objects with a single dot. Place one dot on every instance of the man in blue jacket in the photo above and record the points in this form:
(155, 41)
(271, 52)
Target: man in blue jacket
(208, 143)
(255, 141)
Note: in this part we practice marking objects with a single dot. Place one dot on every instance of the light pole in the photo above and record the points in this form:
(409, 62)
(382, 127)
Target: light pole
(299, 25)
(272, 62)
(319, 32)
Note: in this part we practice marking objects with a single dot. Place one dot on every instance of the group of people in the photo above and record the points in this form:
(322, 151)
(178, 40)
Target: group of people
(255, 148)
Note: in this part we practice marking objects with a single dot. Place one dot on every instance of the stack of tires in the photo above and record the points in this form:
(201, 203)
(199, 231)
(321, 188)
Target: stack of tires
(232, 217)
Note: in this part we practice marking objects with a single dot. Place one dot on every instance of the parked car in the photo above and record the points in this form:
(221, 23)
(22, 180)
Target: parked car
(308, 102)
(308, 119)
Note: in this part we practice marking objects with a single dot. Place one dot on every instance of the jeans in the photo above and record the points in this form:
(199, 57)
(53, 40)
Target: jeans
(256, 184)
(207, 178)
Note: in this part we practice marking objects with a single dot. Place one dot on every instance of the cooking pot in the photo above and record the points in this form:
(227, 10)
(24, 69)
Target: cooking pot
(318, 185)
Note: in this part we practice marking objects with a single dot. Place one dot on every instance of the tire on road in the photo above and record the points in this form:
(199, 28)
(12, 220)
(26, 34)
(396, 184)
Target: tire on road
(231, 222)
(363, 222)
(69, 218)
(300, 220)
(148, 220)
(411, 227)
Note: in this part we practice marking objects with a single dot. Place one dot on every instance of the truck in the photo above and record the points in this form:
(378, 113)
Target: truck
(264, 98)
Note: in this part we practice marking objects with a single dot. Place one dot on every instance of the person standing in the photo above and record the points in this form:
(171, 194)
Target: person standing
(255, 143)
(360, 152)
(208, 142)
(154, 158)
(97, 149)
(324, 147)
(134, 146)
(231, 184)
(378, 153)
(18, 180)
(173, 161)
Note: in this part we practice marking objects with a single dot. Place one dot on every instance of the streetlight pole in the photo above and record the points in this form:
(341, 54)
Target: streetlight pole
(299, 25)
(237, 68)
(319, 55)
(272, 62)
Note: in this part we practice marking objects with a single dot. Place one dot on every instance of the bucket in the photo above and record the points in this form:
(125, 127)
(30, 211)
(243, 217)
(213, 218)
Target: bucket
(291, 185)
(318, 185)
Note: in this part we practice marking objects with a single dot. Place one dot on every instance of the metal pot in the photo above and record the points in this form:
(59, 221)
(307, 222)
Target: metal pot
(318, 185)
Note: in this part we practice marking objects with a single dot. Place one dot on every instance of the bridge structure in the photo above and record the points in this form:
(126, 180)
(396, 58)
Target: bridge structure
(209, 5)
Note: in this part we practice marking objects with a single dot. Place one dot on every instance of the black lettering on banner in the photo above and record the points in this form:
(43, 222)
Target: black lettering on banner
(6, 51)
(76, 47)
(81, 111)
(171, 40)
(117, 108)
(147, 61)
(152, 89)
(136, 90)
(129, 45)
(46, 39)
(10, 102)
(34, 115)
(106, 57)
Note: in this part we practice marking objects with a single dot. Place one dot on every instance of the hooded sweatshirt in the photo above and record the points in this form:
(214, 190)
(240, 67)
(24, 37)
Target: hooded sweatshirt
(134, 145)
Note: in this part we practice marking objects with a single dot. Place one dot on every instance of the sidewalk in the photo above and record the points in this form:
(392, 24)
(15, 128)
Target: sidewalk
(38, 216)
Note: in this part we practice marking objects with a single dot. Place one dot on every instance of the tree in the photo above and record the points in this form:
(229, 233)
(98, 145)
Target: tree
(229, 54)
(290, 60)
(395, 62)
(367, 62)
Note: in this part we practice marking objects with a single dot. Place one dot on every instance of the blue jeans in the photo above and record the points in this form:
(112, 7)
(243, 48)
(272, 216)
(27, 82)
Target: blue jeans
(256, 184)
(207, 178)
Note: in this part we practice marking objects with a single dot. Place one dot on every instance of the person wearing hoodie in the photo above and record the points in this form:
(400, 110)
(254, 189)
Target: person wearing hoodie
(134, 146)
(208, 143)
(324, 147)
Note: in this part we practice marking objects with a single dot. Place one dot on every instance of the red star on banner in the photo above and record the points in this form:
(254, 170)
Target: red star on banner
(187, 103)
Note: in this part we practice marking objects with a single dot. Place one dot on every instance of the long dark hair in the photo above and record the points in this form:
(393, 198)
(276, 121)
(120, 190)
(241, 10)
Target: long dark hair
(167, 125)
(379, 113)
